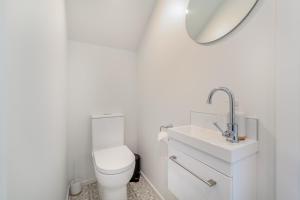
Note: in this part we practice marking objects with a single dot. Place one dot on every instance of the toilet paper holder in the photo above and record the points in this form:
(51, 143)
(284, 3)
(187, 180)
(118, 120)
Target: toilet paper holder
(163, 127)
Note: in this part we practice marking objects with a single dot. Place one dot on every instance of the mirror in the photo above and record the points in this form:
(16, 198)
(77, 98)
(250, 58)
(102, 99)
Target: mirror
(211, 20)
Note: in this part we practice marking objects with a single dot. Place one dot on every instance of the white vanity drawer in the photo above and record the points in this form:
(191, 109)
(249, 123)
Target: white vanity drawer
(189, 179)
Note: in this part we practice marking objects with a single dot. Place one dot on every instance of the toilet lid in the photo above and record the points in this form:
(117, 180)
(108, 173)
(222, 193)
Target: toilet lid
(113, 160)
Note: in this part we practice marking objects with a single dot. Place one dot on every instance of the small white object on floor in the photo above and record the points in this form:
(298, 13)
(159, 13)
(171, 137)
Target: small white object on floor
(75, 188)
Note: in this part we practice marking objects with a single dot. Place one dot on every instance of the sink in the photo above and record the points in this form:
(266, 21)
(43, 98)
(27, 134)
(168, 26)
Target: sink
(202, 164)
(213, 143)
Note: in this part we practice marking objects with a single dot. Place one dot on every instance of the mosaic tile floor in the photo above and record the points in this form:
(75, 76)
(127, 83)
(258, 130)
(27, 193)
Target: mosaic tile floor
(136, 191)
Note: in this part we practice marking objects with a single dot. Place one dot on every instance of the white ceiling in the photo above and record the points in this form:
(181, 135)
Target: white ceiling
(114, 23)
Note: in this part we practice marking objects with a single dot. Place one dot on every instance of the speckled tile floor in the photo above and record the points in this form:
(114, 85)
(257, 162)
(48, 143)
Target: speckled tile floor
(136, 191)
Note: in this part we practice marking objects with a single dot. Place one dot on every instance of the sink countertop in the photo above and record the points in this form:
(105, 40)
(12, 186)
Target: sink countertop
(213, 143)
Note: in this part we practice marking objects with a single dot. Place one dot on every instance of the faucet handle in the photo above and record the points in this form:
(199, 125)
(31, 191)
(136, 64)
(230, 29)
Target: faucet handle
(224, 133)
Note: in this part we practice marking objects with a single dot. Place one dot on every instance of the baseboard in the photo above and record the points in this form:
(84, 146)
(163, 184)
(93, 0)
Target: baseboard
(153, 187)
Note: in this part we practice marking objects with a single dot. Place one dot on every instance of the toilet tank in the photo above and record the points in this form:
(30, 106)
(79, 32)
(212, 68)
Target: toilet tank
(107, 130)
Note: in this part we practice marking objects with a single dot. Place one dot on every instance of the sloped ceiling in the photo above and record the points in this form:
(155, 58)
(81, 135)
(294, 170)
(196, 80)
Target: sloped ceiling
(114, 23)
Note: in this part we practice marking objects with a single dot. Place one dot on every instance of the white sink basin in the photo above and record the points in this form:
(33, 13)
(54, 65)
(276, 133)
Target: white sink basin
(213, 143)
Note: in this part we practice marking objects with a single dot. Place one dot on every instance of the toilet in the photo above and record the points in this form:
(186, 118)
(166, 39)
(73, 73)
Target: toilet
(113, 161)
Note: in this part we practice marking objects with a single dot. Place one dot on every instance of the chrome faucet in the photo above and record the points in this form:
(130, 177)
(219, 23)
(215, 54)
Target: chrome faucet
(232, 128)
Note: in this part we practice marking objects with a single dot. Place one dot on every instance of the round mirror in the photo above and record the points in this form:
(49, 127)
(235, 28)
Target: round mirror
(210, 20)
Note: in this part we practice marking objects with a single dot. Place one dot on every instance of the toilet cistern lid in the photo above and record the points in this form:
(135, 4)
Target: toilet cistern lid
(113, 160)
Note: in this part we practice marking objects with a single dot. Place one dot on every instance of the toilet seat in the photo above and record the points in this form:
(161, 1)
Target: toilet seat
(113, 160)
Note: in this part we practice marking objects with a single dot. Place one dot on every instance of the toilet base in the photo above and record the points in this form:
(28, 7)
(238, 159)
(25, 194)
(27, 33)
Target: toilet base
(119, 193)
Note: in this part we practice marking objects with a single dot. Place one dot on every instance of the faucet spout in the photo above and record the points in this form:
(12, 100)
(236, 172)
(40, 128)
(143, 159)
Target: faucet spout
(231, 126)
(231, 101)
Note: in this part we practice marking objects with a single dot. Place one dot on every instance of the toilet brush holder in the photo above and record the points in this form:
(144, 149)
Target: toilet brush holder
(75, 188)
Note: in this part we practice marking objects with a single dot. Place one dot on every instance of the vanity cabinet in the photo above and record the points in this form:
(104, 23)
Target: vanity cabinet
(194, 174)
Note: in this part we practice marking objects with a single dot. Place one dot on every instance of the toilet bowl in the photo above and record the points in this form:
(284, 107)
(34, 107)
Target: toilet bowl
(113, 167)
(113, 161)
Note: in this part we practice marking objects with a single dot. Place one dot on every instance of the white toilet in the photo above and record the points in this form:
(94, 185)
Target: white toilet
(113, 161)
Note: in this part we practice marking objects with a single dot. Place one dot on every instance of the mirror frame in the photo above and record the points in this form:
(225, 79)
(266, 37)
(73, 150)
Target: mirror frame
(225, 35)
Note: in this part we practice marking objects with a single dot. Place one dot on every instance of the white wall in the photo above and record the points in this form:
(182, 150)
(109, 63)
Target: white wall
(101, 80)
(175, 76)
(288, 100)
(2, 135)
(33, 99)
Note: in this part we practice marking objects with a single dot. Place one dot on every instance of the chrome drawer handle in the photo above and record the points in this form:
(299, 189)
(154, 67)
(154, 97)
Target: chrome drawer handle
(209, 183)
